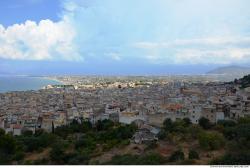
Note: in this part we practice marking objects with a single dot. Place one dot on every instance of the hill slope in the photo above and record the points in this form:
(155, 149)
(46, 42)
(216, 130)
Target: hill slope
(231, 70)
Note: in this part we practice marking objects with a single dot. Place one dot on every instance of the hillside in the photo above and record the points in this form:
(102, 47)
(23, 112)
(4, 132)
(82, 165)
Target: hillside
(109, 143)
(243, 82)
(239, 70)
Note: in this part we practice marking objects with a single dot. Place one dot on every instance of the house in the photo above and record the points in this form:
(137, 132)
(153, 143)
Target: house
(17, 129)
(209, 113)
(195, 113)
(144, 136)
(219, 116)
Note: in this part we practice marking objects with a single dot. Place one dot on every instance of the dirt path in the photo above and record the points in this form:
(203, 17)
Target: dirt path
(37, 156)
(133, 149)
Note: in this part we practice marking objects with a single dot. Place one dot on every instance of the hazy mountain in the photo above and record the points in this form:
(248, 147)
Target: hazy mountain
(237, 70)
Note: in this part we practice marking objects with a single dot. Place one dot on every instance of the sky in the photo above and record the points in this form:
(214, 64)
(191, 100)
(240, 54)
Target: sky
(123, 36)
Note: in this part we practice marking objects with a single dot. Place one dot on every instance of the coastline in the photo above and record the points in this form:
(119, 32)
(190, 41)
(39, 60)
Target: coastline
(25, 83)
(52, 79)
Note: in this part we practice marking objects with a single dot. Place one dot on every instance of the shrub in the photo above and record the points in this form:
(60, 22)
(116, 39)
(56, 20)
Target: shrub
(205, 123)
(187, 121)
(151, 145)
(244, 120)
(193, 154)
(177, 156)
(211, 141)
(8, 148)
(57, 153)
(27, 133)
(149, 159)
(237, 132)
(2, 132)
(233, 159)
(162, 135)
(226, 123)
(168, 124)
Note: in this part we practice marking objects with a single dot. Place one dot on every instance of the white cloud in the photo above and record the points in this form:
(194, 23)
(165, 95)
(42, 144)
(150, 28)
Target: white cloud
(214, 41)
(113, 55)
(221, 56)
(160, 31)
(209, 41)
(46, 40)
(210, 50)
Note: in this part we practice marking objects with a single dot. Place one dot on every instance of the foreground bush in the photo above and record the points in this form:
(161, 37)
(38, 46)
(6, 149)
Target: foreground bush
(211, 140)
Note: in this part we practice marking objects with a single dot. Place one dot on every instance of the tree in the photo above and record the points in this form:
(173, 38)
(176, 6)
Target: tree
(53, 127)
(205, 123)
(168, 124)
(233, 159)
(193, 154)
(226, 123)
(27, 133)
(177, 156)
(211, 140)
(8, 148)
(244, 120)
(162, 135)
(187, 121)
(37, 141)
(237, 132)
(104, 125)
(128, 159)
(2, 132)
(39, 132)
(57, 153)
(151, 159)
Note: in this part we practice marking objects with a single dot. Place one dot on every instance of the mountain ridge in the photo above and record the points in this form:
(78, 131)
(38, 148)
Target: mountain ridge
(232, 69)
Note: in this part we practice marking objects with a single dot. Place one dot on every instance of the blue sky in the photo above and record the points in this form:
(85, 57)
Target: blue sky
(122, 36)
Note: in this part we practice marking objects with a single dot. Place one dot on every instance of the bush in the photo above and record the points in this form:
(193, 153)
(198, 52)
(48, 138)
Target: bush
(125, 142)
(244, 120)
(187, 122)
(195, 131)
(123, 160)
(57, 153)
(205, 123)
(162, 135)
(151, 145)
(76, 158)
(149, 159)
(179, 126)
(35, 142)
(168, 125)
(8, 147)
(237, 132)
(177, 156)
(85, 142)
(2, 132)
(226, 123)
(104, 124)
(27, 133)
(211, 141)
(233, 159)
(193, 154)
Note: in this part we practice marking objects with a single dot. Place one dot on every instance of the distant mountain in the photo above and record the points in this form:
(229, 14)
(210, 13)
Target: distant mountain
(231, 70)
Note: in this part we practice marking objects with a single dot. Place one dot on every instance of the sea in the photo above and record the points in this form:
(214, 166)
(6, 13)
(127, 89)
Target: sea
(24, 83)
